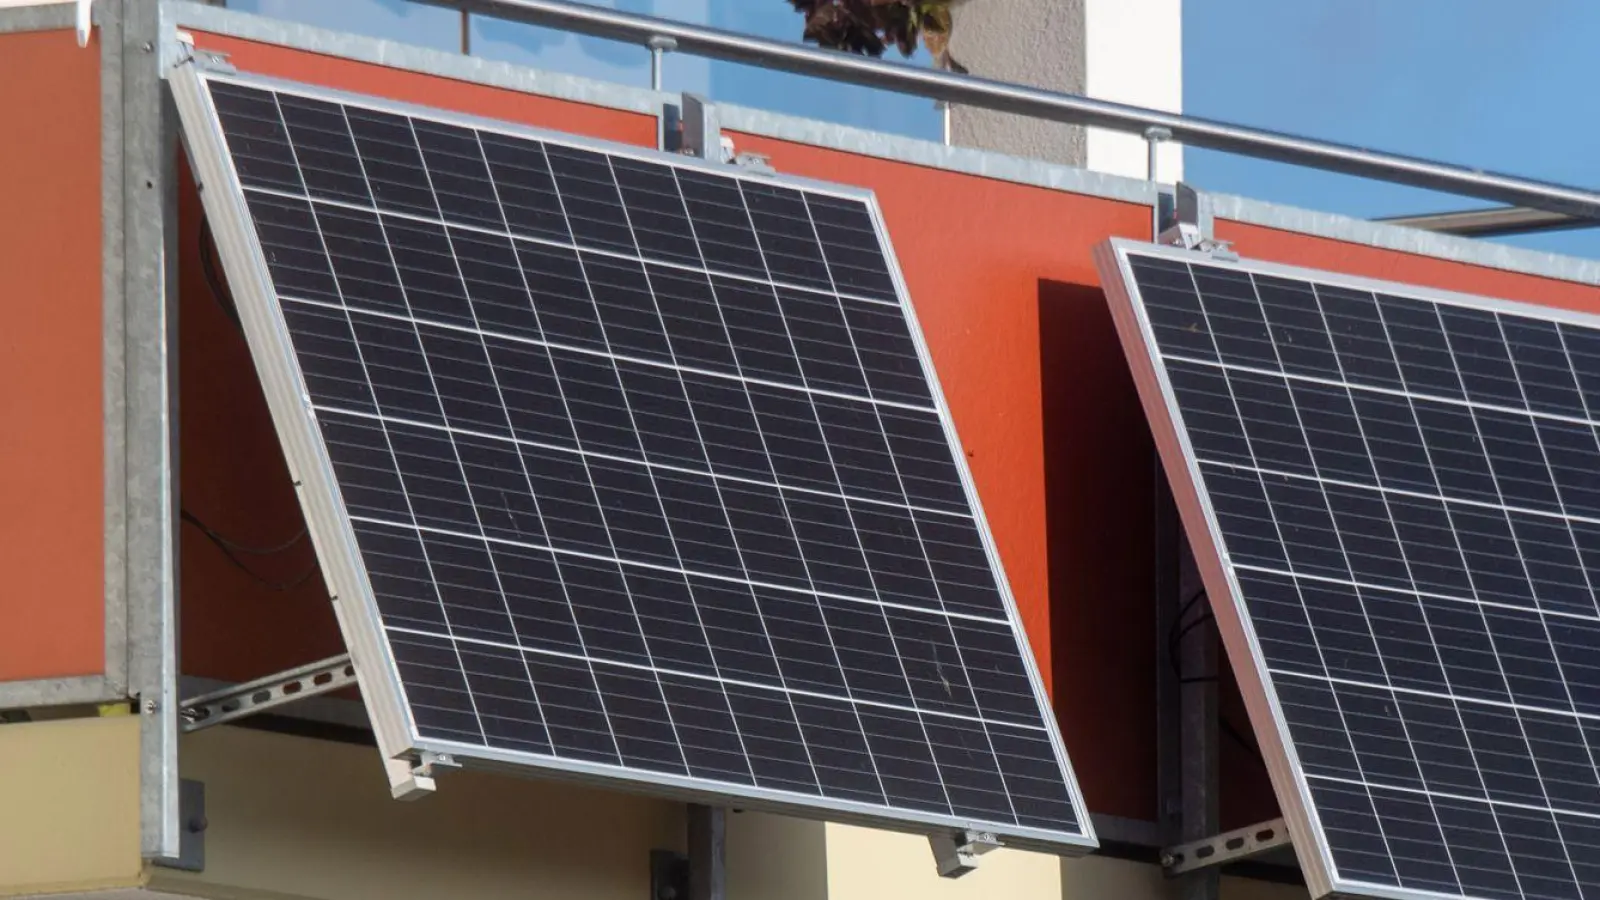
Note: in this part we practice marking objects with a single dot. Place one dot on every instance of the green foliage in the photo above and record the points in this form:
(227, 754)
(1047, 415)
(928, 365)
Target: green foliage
(870, 27)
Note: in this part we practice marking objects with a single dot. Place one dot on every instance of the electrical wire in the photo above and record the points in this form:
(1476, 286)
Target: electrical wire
(231, 550)
(1239, 738)
(1180, 630)
(208, 268)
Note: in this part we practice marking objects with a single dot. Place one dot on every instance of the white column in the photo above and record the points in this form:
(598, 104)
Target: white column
(1130, 51)
(1135, 56)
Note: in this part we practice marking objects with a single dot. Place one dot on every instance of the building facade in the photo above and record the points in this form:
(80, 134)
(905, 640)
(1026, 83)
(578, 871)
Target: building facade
(142, 455)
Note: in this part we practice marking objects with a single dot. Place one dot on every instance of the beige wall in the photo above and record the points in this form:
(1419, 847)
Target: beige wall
(776, 858)
(292, 817)
(864, 864)
(1095, 877)
(69, 805)
(303, 818)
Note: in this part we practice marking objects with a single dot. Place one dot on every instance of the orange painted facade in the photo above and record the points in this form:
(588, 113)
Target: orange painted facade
(52, 447)
(1004, 285)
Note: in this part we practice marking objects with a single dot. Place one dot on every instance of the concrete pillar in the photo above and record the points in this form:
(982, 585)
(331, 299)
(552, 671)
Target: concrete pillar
(1130, 51)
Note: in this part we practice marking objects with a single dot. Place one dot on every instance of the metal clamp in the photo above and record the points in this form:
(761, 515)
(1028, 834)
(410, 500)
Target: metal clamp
(413, 781)
(1226, 847)
(247, 699)
(956, 852)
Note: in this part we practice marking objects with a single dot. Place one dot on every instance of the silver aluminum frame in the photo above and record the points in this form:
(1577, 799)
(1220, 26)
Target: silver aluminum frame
(1112, 257)
(334, 538)
(149, 423)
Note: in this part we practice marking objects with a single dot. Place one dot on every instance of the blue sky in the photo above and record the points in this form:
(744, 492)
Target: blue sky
(1463, 81)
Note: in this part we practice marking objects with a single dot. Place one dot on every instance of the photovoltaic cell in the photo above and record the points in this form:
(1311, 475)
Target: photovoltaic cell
(1401, 488)
(643, 465)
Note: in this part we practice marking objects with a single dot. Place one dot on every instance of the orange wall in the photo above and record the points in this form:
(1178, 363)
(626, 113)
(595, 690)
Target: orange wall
(52, 451)
(1258, 242)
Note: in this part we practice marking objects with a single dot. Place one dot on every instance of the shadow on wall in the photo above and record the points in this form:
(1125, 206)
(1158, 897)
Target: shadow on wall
(1099, 499)
(1100, 494)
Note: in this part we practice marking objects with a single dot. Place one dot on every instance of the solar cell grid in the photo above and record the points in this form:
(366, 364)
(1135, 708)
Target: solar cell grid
(1401, 487)
(643, 466)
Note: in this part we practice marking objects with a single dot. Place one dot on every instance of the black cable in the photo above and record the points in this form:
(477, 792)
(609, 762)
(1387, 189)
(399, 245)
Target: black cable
(230, 549)
(208, 267)
(234, 546)
(1180, 629)
(1230, 731)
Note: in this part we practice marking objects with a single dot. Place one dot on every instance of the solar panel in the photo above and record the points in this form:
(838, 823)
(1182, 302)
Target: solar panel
(1395, 495)
(626, 466)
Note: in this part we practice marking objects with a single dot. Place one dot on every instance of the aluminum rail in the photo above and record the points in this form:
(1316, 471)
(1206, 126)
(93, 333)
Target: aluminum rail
(1498, 222)
(1072, 109)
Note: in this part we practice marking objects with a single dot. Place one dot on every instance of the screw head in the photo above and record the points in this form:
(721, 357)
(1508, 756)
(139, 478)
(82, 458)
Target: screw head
(1167, 860)
(150, 707)
(148, 47)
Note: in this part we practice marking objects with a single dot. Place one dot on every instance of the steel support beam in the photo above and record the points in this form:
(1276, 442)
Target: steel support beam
(1230, 846)
(239, 701)
(1186, 689)
(708, 852)
(140, 130)
(967, 90)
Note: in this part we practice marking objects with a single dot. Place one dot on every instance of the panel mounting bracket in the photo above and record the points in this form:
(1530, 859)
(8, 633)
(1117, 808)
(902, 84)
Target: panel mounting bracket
(410, 780)
(1188, 225)
(692, 127)
(1229, 846)
(179, 49)
(238, 701)
(956, 852)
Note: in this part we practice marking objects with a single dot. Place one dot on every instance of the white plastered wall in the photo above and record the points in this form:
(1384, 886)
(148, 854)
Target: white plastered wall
(1129, 51)
(1135, 56)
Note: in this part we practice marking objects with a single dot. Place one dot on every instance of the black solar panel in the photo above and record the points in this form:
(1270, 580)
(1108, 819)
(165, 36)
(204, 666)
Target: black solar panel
(1403, 490)
(640, 462)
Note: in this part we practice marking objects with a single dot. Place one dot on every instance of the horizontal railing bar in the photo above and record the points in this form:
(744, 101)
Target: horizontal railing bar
(1498, 222)
(967, 90)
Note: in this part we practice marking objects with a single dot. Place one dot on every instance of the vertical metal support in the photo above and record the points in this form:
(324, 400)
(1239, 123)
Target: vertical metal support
(1153, 136)
(466, 33)
(147, 123)
(1186, 691)
(659, 48)
(708, 836)
(1201, 774)
(1169, 687)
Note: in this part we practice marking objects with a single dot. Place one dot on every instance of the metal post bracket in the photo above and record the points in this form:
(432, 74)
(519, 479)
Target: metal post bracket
(956, 853)
(1226, 847)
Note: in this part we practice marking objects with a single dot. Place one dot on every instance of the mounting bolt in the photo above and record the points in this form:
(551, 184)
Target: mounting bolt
(1168, 860)
(150, 707)
(148, 47)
